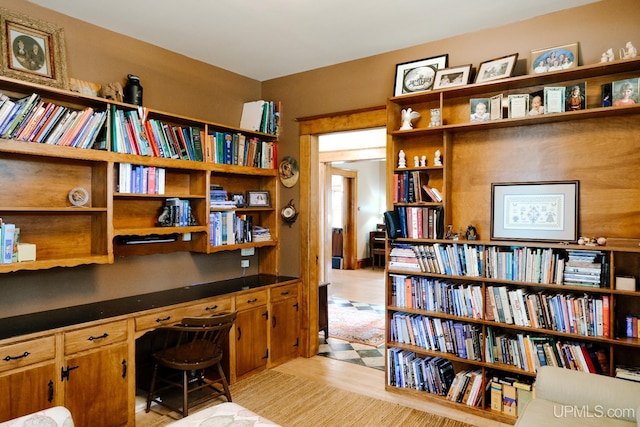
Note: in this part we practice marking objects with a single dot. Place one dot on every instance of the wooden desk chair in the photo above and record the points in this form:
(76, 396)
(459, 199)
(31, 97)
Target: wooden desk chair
(187, 349)
(377, 248)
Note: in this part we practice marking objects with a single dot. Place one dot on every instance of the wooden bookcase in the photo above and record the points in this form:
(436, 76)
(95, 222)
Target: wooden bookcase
(594, 145)
(65, 235)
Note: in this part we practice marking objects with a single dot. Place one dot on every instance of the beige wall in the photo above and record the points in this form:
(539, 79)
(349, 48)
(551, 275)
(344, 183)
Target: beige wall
(180, 85)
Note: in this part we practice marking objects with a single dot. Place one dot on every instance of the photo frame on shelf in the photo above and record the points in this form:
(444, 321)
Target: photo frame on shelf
(625, 92)
(495, 107)
(576, 97)
(418, 76)
(518, 105)
(554, 58)
(495, 69)
(238, 198)
(536, 103)
(452, 77)
(258, 199)
(479, 109)
(537, 211)
(32, 50)
(554, 99)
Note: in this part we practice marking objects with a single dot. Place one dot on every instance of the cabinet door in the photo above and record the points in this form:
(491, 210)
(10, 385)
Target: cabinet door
(27, 391)
(251, 340)
(285, 327)
(96, 389)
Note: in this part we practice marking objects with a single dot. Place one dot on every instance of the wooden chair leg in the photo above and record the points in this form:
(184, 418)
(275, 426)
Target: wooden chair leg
(152, 387)
(185, 393)
(225, 385)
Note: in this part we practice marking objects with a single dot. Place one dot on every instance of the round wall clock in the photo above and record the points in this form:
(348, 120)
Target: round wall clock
(78, 196)
(289, 171)
(289, 213)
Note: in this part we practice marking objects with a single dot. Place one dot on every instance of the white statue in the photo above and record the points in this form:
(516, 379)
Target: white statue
(402, 160)
(607, 56)
(437, 158)
(435, 117)
(407, 116)
(423, 161)
(416, 161)
(629, 52)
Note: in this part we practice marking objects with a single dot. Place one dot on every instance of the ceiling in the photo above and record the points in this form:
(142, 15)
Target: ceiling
(266, 39)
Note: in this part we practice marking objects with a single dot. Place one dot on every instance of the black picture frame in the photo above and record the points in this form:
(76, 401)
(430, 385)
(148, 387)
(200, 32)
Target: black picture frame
(258, 199)
(544, 211)
(418, 76)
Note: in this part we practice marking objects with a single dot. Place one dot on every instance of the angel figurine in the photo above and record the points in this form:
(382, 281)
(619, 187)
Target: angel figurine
(407, 116)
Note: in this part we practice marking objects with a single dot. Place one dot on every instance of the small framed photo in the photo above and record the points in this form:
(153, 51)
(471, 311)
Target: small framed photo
(554, 99)
(605, 95)
(536, 103)
(238, 199)
(495, 107)
(258, 199)
(480, 109)
(543, 211)
(576, 97)
(32, 50)
(518, 106)
(554, 58)
(418, 76)
(451, 77)
(495, 69)
(625, 92)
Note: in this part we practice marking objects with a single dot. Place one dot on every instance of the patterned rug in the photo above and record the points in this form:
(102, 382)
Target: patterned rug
(356, 322)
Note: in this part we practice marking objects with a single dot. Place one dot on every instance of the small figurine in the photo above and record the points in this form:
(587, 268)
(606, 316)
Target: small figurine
(423, 161)
(607, 56)
(402, 160)
(416, 162)
(435, 117)
(407, 116)
(629, 52)
(437, 158)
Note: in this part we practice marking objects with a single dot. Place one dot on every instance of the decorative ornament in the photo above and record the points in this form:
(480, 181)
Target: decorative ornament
(402, 160)
(78, 196)
(437, 158)
(628, 52)
(289, 171)
(289, 213)
(435, 118)
(408, 115)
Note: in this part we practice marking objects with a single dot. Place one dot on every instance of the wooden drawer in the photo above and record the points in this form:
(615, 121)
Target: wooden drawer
(27, 353)
(283, 292)
(208, 308)
(251, 299)
(168, 316)
(95, 336)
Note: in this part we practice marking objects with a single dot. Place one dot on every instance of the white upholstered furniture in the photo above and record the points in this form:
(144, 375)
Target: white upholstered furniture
(58, 416)
(224, 414)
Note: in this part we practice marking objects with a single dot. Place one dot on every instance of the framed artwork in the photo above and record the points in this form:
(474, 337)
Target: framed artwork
(496, 69)
(554, 99)
(479, 109)
(258, 199)
(518, 105)
(32, 50)
(625, 92)
(554, 58)
(575, 97)
(289, 171)
(541, 211)
(418, 76)
(451, 77)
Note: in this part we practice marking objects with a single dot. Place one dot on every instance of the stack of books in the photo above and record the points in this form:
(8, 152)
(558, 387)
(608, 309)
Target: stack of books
(261, 234)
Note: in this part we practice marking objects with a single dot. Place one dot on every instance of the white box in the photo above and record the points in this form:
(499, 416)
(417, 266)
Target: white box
(625, 283)
(26, 252)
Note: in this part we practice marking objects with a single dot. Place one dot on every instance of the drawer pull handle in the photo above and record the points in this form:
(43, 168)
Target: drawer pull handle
(10, 358)
(164, 319)
(92, 338)
(250, 301)
(211, 308)
(285, 293)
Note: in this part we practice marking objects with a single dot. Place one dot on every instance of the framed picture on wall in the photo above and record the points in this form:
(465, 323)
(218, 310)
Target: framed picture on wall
(418, 76)
(495, 69)
(32, 50)
(554, 58)
(452, 77)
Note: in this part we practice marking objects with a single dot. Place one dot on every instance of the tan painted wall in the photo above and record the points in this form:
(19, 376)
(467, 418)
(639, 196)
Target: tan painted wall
(180, 85)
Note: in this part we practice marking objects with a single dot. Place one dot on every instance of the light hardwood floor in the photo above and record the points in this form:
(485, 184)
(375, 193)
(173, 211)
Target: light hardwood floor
(367, 285)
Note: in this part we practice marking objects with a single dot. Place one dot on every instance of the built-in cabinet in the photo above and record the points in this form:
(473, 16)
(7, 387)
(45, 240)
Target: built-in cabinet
(595, 145)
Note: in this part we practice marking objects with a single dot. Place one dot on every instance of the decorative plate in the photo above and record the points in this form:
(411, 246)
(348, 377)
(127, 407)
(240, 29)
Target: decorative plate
(289, 171)
(78, 196)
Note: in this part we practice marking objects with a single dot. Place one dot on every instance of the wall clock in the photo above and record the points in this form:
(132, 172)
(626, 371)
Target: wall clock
(289, 213)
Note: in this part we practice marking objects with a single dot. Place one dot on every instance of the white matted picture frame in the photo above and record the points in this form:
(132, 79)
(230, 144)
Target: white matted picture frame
(258, 199)
(495, 69)
(554, 101)
(518, 105)
(554, 58)
(418, 76)
(32, 50)
(452, 77)
(537, 211)
(495, 108)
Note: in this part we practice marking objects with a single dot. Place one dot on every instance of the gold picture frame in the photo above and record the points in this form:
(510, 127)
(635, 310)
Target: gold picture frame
(32, 50)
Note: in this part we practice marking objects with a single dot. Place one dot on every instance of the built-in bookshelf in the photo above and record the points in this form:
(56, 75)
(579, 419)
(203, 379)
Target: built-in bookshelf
(466, 318)
(144, 176)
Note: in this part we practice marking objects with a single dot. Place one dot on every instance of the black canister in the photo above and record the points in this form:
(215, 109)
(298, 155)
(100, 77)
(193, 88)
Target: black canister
(133, 90)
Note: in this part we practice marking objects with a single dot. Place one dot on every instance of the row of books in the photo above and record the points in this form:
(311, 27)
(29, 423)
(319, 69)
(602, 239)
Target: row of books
(461, 339)
(510, 396)
(419, 222)
(219, 198)
(262, 116)
(32, 119)
(631, 373)
(450, 259)
(9, 236)
(413, 187)
(443, 296)
(133, 133)
(176, 213)
(230, 228)
(239, 149)
(632, 324)
(431, 374)
(585, 315)
(467, 387)
(530, 352)
(140, 179)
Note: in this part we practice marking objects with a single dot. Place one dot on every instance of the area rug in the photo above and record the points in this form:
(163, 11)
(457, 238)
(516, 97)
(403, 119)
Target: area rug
(356, 322)
(298, 402)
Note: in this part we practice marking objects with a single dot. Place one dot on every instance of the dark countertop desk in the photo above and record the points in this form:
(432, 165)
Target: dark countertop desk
(52, 319)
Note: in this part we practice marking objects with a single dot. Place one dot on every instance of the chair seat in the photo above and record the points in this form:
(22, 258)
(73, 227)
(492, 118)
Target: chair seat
(197, 355)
